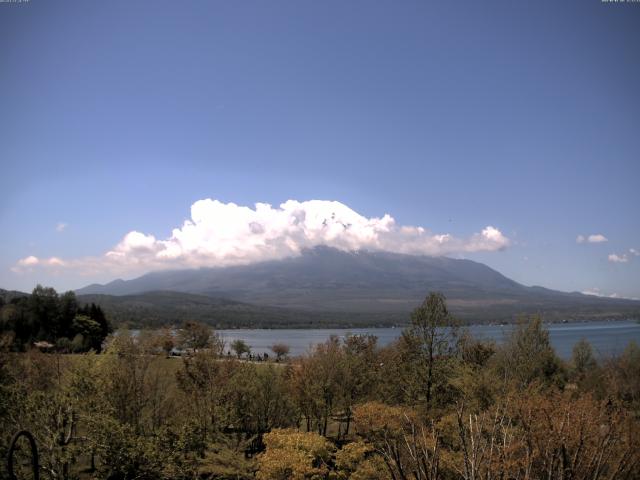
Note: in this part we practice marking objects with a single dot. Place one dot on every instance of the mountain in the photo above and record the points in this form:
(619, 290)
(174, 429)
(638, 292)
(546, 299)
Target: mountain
(329, 282)
(6, 296)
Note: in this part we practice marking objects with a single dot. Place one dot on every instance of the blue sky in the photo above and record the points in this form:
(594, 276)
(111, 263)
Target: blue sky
(453, 116)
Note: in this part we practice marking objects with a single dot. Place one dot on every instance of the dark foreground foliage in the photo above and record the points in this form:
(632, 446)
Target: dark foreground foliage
(57, 322)
(437, 404)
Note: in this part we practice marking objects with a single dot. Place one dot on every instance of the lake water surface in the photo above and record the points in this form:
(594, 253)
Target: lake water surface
(606, 337)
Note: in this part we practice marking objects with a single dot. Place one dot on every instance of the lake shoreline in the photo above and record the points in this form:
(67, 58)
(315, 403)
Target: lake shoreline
(607, 337)
(331, 326)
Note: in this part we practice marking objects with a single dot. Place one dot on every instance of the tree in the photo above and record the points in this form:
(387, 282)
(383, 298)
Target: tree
(315, 381)
(96, 313)
(195, 335)
(623, 376)
(206, 382)
(87, 332)
(166, 341)
(431, 336)
(44, 313)
(358, 368)
(257, 400)
(68, 308)
(294, 455)
(240, 347)
(358, 461)
(409, 446)
(78, 344)
(280, 349)
(560, 437)
(474, 351)
(527, 355)
(582, 358)
(47, 316)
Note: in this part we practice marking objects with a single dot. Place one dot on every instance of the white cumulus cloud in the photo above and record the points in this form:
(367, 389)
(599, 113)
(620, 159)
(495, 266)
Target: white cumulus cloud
(28, 263)
(61, 226)
(615, 258)
(593, 238)
(623, 257)
(597, 238)
(221, 234)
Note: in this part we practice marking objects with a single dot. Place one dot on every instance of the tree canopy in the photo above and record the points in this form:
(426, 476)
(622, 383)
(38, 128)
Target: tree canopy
(58, 319)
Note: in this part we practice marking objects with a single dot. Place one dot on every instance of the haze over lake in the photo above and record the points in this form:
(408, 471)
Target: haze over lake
(606, 337)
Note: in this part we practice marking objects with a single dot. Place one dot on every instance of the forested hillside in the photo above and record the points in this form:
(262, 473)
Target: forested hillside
(156, 309)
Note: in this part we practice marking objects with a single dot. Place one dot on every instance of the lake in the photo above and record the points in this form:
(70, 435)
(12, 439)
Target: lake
(606, 337)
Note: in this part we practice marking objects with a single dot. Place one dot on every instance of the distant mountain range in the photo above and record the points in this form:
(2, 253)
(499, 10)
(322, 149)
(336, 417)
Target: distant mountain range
(326, 286)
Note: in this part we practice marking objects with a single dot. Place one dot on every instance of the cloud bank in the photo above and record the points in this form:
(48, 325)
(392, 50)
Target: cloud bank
(598, 293)
(222, 234)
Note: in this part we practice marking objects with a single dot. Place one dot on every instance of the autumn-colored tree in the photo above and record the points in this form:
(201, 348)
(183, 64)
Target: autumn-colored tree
(546, 435)
(564, 437)
(293, 455)
(359, 461)
(409, 447)
(281, 350)
(623, 377)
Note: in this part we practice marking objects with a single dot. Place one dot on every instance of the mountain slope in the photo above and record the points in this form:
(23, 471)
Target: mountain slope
(332, 282)
(158, 308)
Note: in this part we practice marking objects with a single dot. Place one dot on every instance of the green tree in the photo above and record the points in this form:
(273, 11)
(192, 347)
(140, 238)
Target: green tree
(358, 364)
(240, 347)
(195, 336)
(527, 355)
(68, 308)
(207, 384)
(431, 338)
(90, 332)
(44, 314)
(96, 313)
(582, 359)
